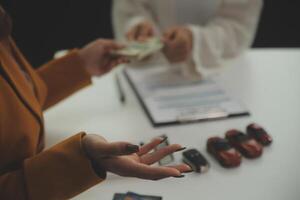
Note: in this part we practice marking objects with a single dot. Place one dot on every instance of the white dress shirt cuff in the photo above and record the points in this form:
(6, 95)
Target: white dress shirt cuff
(196, 64)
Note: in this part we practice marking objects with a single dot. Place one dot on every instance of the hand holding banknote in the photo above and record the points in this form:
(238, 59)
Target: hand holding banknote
(98, 58)
(141, 32)
(178, 44)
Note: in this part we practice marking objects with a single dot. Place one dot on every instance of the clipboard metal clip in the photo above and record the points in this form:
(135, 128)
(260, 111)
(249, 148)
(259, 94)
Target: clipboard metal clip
(202, 115)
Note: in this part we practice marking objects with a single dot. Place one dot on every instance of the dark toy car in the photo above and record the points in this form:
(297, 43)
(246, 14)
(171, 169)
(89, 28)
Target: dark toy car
(223, 152)
(246, 145)
(259, 134)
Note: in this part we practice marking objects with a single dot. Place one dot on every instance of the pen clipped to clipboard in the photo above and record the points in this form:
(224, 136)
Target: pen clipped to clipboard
(168, 98)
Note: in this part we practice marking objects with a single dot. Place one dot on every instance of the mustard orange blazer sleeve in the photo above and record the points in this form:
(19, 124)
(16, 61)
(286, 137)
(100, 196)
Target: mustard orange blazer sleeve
(27, 172)
(61, 172)
(63, 77)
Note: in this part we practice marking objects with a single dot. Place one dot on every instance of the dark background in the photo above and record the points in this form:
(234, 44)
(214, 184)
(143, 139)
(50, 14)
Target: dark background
(41, 27)
(279, 25)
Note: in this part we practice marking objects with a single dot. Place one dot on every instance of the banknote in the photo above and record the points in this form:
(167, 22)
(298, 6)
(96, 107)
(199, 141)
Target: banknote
(141, 50)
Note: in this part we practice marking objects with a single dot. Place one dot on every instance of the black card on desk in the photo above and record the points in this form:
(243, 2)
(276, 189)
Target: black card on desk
(135, 196)
(119, 196)
(143, 197)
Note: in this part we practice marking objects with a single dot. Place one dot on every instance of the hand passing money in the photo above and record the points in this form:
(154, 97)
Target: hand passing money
(140, 50)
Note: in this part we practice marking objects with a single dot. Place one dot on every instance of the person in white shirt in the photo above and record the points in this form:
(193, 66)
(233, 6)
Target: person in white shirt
(201, 33)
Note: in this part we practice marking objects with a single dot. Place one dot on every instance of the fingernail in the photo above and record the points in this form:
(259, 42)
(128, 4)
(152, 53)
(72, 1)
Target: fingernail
(130, 148)
(165, 139)
(181, 149)
(181, 176)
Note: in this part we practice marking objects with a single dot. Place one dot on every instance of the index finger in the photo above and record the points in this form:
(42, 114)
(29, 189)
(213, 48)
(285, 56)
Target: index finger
(150, 146)
(151, 158)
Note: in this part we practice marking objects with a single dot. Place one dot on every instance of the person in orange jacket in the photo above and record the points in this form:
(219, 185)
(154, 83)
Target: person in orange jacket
(77, 163)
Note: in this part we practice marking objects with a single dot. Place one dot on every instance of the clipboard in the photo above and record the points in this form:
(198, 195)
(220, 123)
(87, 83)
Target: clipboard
(188, 114)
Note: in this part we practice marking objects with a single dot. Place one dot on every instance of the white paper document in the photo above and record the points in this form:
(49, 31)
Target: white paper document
(169, 98)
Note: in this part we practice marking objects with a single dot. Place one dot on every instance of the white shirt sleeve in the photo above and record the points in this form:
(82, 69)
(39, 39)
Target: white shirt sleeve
(128, 13)
(227, 35)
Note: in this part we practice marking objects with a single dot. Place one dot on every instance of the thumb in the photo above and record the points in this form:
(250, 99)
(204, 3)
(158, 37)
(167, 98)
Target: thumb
(118, 149)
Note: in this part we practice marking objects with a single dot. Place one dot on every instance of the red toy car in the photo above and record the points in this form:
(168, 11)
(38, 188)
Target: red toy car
(226, 155)
(259, 134)
(244, 144)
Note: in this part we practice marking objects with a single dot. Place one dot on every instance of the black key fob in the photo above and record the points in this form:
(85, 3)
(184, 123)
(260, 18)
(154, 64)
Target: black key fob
(195, 160)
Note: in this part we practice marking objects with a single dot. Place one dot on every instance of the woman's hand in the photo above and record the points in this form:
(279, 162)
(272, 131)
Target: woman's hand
(178, 44)
(129, 160)
(141, 32)
(98, 58)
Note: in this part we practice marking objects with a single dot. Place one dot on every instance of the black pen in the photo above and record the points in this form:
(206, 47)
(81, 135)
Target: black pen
(120, 90)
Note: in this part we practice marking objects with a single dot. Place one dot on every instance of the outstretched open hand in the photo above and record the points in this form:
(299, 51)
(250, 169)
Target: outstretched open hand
(119, 158)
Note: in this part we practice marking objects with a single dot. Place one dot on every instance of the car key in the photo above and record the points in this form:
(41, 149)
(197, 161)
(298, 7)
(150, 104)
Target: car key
(195, 160)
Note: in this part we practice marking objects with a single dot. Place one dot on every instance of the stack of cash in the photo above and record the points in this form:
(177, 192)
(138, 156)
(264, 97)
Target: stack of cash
(141, 50)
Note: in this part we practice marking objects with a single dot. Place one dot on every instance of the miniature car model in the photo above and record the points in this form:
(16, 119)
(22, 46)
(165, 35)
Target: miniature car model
(259, 134)
(195, 160)
(246, 145)
(223, 152)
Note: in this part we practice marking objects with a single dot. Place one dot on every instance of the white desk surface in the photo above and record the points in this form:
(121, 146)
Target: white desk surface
(267, 81)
